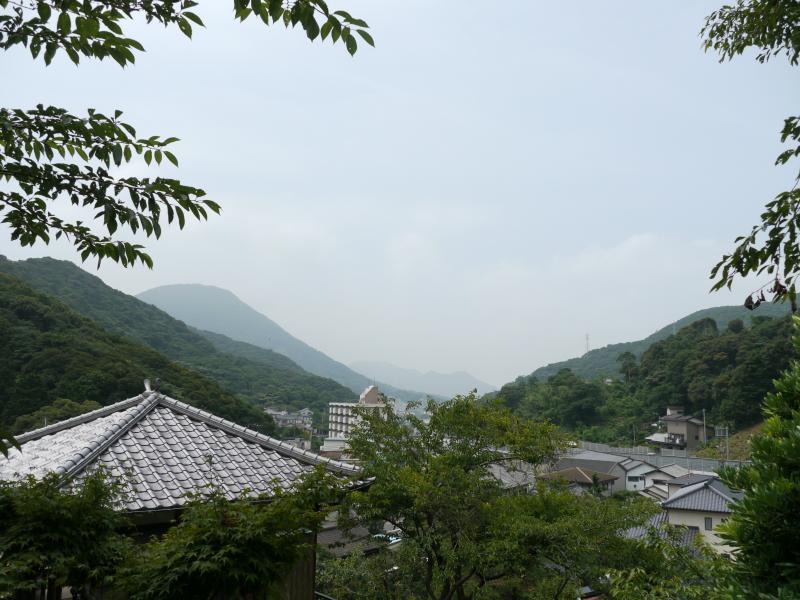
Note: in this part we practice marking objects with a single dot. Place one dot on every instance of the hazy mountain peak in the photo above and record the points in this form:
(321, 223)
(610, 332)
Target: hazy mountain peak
(443, 384)
(220, 311)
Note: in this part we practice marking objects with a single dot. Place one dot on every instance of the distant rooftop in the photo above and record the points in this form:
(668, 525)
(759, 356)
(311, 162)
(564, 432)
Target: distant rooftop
(579, 475)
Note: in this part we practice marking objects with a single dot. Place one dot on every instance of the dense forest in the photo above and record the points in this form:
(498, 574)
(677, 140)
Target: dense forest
(51, 353)
(255, 374)
(602, 362)
(726, 372)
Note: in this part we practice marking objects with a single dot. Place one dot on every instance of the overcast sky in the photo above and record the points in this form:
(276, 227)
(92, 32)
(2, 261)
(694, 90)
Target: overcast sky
(488, 185)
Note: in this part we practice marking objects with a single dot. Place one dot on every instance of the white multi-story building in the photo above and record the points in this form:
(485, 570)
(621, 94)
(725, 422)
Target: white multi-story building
(342, 419)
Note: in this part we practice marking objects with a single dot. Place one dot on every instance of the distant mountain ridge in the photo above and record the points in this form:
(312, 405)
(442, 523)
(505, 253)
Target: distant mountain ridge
(220, 311)
(602, 362)
(443, 384)
(256, 374)
(49, 352)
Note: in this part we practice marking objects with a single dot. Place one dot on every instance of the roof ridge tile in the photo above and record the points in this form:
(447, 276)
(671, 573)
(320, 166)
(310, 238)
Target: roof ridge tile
(105, 411)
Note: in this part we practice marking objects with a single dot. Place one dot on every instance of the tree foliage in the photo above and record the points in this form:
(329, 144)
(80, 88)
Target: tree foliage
(463, 535)
(48, 154)
(54, 534)
(763, 526)
(231, 549)
(771, 28)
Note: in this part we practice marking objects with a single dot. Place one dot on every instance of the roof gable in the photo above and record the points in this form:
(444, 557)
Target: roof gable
(710, 495)
(165, 449)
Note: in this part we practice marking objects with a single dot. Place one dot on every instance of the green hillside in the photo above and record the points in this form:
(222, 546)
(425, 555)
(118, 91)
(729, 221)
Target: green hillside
(602, 362)
(271, 378)
(726, 372)
(50, 352)
(214, 309)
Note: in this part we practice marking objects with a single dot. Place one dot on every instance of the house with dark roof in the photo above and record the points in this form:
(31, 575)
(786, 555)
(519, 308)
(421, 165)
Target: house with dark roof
(600, 462)
(701, 506)
(684, 432)
(581, 480)
(162, 450)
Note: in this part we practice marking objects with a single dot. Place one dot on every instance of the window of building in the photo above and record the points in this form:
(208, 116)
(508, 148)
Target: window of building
(709, 523)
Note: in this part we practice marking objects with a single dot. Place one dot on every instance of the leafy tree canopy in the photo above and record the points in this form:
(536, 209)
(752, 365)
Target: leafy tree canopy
(763, 526)
(771, 28)
(54, 534)
(464, 535)
(232, 549)
(48, 154)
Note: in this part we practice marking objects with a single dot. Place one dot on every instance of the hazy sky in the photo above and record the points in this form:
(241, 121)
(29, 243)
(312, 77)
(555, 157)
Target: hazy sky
(488, 185)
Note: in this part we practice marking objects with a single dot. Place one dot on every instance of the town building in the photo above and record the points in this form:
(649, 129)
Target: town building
(342, 419)
(302, 419)
(163, 450)
(683, 432)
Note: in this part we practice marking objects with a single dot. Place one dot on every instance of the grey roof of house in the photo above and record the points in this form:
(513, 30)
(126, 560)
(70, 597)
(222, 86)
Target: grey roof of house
(682, 418)
(674, 469)
(579, 475)
(589, 459)
(689, 479)
(660, 521)
(710, 495)
(163, 449)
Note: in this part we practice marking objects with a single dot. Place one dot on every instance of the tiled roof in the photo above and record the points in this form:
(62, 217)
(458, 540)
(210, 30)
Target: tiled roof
(682, 418)
(674, 469)
(689, 479)
(579, 475)
(710, 495)
(660, 521)
(164, 449)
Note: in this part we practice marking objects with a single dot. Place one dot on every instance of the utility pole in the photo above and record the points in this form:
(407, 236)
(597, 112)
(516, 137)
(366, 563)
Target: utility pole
(705, 431)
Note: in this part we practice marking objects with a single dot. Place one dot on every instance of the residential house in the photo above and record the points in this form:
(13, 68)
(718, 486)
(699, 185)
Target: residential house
(702, 507)
(684, 432)
(580, 480)
(163, 450)
(600, 462)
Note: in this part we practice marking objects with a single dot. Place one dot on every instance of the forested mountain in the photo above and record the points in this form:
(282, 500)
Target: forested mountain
(443, 384)
(49, 352)
(725, 371)
(214, 309)
(271, 378)
(602, 362)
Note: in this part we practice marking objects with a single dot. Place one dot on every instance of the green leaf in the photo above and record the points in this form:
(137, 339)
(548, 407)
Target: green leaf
(185, 27)
(50, 52)
(44, 11)
(366, 37)
(64, 23)
(349, 42)
(171, 157)
(193, 18)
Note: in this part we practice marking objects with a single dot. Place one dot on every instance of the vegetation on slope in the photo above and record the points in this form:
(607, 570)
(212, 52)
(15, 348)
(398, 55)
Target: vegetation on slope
(602, 362)
(50, 352)
(257, 375)
(726, 372)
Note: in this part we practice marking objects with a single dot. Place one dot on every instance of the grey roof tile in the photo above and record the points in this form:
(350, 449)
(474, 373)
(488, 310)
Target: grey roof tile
(710, 495)
(166, 449)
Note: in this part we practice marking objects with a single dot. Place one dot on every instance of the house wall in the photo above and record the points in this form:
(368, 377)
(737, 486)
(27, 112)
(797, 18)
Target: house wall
(636, 478)
(696, 519)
